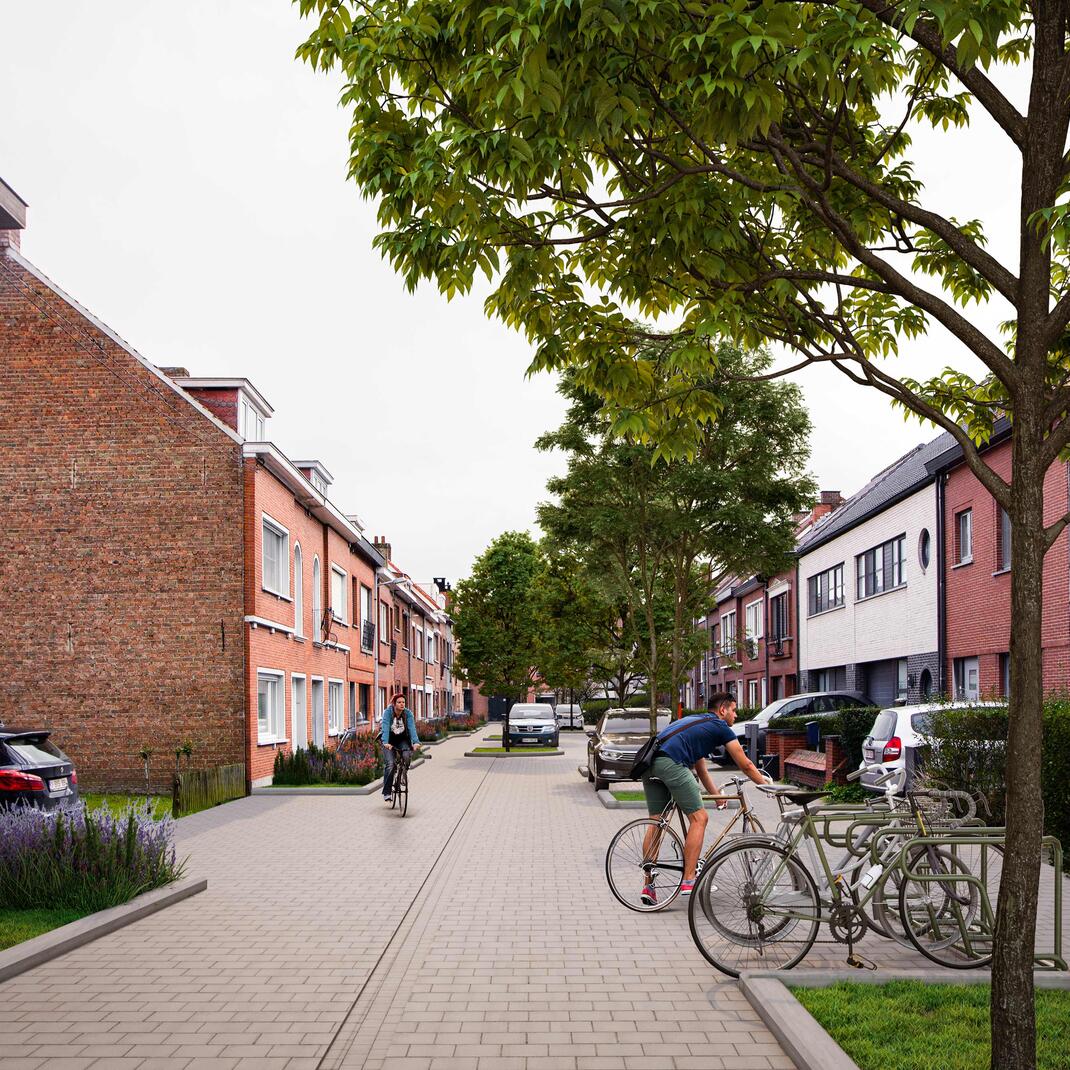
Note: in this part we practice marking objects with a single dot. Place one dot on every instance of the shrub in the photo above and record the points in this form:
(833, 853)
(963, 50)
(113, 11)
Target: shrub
(845, 793)
(428, 731)
(851, 725)
(465, 722)
(83, 861)
(358, 761)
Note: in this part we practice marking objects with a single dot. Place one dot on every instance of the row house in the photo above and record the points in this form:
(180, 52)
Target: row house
(171, 574)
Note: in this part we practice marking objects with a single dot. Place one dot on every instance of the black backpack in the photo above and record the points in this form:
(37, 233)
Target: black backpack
(645, 755)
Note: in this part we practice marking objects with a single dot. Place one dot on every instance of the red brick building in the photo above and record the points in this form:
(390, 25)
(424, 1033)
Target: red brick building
(976, 543)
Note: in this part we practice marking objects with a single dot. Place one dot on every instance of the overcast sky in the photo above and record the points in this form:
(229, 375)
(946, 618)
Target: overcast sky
(186, 182)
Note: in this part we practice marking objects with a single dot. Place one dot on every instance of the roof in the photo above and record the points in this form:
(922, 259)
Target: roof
(199, 382)
(12, 209)
(901, 478)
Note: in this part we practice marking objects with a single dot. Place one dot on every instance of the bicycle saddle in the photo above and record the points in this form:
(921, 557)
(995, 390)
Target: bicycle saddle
(799, 798)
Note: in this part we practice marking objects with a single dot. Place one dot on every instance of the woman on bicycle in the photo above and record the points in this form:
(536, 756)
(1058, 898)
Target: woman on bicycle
(399, 738)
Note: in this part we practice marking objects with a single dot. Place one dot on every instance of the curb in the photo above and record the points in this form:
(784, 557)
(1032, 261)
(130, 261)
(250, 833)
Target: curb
(328, 789)
(515, 754)
(605, 797)
(51, 945)
(1058, 979)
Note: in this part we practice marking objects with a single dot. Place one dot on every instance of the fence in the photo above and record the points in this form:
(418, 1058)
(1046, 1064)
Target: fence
(198, 789)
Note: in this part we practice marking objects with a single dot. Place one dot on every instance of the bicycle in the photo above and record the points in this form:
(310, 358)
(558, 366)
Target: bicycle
(756, 904)
(649, 853)
(400, 789)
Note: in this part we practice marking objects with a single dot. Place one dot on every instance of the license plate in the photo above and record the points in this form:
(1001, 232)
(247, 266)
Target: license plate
(529, 739)
(59, 784)
(869, 753)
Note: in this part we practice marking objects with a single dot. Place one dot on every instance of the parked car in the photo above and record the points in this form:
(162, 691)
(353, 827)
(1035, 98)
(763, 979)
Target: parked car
(613, 742)
(812, 704)
(569, 715)
(896, 730)
(35, 772)
(533, 722)
(548, 698)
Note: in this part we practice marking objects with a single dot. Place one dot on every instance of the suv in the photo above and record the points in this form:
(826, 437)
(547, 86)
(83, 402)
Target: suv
(35, 772)
(533, 722)
(569, 715)
(812, 704)
(613, 743)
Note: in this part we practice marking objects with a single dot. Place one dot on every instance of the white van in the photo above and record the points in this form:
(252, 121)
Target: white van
(569, 716)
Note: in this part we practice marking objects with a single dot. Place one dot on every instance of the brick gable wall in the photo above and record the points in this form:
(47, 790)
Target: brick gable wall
(121, 578)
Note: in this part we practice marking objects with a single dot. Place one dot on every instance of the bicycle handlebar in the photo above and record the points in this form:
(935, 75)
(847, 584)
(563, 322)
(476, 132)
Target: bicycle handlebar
(963, 797)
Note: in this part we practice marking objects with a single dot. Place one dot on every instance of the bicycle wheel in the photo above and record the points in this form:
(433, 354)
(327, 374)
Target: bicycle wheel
(645, 856)
(943, 912)
(402, 791)
(754, 907)
(882, 910)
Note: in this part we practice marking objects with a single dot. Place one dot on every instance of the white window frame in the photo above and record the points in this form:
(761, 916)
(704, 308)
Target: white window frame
(299, 591)
(268, 522)
(317, 598)
(728, 647)
(294, 677)
(760, 630)
(381, 700)
(272, 728)
(960, 516)
(340, 573)
(752, 693)
(335, 719)
(367, 603)
(250, 414)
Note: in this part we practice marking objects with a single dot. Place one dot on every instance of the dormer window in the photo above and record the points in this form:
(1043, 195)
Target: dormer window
(318, 482)
(251, 426)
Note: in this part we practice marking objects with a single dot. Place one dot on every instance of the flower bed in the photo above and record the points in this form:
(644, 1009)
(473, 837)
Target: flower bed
(83, 861)
(466, 724)
(359, 761)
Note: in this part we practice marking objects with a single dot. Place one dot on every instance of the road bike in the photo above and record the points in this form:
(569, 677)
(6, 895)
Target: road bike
(646, 857)
(400, 790)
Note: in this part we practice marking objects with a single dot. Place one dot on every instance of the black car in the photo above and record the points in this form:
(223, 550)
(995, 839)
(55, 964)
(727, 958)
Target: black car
(35, 772)
(812, 704)
(612, 744)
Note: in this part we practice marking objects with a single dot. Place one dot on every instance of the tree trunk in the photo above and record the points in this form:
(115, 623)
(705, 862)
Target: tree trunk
(1013, 1016)
(505, 724)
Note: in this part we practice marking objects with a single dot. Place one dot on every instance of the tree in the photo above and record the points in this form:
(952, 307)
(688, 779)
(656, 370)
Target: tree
(743, 169)
(570, 617)
(493, 622)
(646, 532)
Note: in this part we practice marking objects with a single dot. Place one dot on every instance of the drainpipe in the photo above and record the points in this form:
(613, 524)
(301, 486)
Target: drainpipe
(765, 634)
(798, 631)
(375, 663)
(941, 590)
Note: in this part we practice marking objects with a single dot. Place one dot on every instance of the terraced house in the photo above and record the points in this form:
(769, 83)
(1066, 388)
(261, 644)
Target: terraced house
(171, 574)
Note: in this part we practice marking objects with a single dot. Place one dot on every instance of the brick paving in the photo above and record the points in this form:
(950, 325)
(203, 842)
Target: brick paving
(476, 934)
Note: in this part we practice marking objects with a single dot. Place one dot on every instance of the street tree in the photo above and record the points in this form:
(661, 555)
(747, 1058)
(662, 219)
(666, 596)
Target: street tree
(647, 532)
(493, 623)
(746, 169)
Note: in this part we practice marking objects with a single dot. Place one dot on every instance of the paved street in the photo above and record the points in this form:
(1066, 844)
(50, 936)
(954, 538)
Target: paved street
(476, 934)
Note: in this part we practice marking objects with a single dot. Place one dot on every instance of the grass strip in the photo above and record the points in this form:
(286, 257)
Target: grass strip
(19, 925)
(911, 1025)
(120, 803)
(628, 796)
(515, 750)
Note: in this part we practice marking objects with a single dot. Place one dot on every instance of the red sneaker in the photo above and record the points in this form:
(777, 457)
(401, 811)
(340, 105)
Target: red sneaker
(687, 887)
(649, 898)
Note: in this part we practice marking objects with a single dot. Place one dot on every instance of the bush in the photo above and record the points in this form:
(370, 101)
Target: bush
(359, 761)
(429, 731)
(851, 725)
(83, 861)
(845, 793)
(465, 722)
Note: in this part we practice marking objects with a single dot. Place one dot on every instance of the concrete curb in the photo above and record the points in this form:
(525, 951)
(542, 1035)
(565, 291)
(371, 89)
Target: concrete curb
(50, 945)
(804, 1038)
(364, 789)
(799, 1033)
(452, 735)
(605, 797)
(515, 754)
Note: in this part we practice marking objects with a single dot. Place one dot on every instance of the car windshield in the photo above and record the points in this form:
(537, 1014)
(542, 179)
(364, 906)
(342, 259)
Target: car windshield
(33, 751)
(884, 725)
(528, 712)
(627, 725)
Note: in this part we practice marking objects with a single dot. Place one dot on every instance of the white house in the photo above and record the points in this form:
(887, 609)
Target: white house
(869, 588)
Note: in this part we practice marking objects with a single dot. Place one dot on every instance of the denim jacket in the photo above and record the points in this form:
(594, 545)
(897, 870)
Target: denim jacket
(410, 724)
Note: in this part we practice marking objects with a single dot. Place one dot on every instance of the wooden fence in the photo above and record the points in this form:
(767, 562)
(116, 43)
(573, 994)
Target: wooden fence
(198, 789)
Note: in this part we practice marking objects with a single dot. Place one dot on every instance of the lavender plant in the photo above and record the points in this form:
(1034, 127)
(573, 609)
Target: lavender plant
(81, 860)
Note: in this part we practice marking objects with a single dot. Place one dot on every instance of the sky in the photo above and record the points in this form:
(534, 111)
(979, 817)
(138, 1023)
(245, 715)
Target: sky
(186, 178)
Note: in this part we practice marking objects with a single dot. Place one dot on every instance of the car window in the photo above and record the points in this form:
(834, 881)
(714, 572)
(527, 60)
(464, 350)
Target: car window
(921, 723)
(792, 709)
(632, 725)
(824, 704)
(884, 725)
(33, 752)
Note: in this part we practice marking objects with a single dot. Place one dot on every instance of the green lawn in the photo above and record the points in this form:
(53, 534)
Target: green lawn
(628, 796)
(514, 750)
(19, 925)
(161, 804)
(909, 1025)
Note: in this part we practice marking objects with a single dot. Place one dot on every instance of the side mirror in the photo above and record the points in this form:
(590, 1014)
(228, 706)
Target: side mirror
(591, 732)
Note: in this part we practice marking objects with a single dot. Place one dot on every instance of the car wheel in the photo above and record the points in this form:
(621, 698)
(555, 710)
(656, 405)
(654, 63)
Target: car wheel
(599, 783)
(590, 775)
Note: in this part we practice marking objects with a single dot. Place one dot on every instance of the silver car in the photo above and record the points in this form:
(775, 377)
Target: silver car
(569, 716)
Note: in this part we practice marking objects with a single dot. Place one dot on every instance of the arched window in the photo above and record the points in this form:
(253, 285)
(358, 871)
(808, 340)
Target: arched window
(926, 687)
(317, 599)
(299, 591)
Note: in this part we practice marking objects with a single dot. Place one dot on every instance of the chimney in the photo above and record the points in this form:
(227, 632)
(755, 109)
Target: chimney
(176, 373)
(380, 543)
(828, 501)
(12, 216)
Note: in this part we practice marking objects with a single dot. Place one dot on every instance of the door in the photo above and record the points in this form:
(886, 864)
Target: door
(299, 714)
(317, 713)
(967, 679)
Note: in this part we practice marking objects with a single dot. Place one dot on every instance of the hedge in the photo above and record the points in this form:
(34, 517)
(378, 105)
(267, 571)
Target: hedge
(851, 725)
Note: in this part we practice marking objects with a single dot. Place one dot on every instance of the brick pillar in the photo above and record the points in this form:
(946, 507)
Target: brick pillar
(834, 755)
(782, 741)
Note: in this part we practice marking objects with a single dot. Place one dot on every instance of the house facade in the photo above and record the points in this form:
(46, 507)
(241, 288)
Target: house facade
(869, 588)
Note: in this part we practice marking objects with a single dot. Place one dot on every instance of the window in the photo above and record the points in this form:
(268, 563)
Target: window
(335, 707)
(367, 623)
(270, 706)
(754, 620)
(882, 568)
(901, 680)
(432, 648)
(252, 422)
(826, 590)
(364, 708)
(407, 634)
(276, 558)
(967, 678)
(384, 623)
(924, 549)
(299, 592)
(382, 702)
(338, 593)
(1003, 540)
(317, 598)
(317, 481)
(352, 704)
(728, 634)
(778, 616)
(1005, 675)
(417, 642)
(964, 537)
(752, 694)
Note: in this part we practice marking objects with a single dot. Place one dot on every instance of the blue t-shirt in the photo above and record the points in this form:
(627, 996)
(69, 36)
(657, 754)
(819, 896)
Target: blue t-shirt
(689, 744)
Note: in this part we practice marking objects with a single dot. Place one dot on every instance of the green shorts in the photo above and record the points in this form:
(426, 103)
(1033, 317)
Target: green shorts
(676, 780)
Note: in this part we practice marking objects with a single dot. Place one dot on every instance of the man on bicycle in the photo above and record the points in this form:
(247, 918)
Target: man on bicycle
(399, 739)
(682, 758)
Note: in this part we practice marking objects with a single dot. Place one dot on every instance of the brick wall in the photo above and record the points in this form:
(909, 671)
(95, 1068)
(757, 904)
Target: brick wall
(121, 578)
